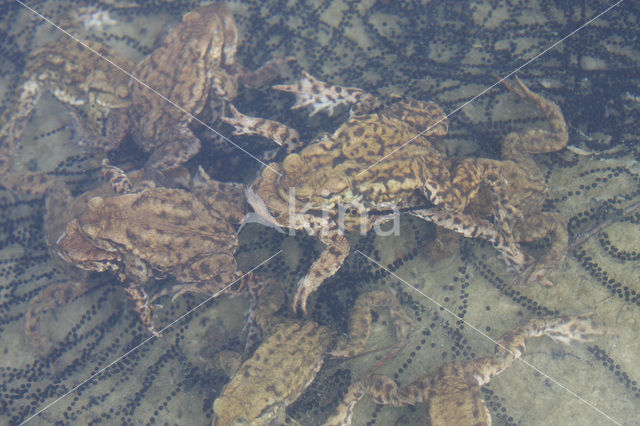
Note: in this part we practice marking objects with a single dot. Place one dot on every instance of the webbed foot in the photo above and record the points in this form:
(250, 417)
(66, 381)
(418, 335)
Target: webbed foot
(314, 93)
(578, 329)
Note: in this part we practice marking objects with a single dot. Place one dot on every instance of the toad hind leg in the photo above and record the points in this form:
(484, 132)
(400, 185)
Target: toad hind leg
(518, 146)
(11, 132)
(267, 72)
(177, 149)
(277, 132)
(319, 95)
(477, 228)
(538, 226)
(456, 192)
(52, 297)
(512, 345)
(116, 128)
(207, 275)
(451, 394)
(380, 388)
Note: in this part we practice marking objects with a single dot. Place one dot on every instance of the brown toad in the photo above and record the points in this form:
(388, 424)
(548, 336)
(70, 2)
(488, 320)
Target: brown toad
(194, 65)
(60, 208)
(527, 188)
(77, 77)
(368, 166)
(287, 362)
(155, 232)
(451, 395)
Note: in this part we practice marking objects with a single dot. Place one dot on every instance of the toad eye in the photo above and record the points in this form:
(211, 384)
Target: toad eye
(90, 230)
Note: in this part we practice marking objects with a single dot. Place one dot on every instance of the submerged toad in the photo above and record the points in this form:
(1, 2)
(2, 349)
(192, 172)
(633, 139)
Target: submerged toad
(368, 166)
(287, 362)
(77, 77)
(155, 232)
(451, 395)
(527, 188)
(194, 66)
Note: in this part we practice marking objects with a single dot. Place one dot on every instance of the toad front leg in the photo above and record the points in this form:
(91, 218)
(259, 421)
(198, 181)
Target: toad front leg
(143, 306)
(277, 132)
(330, 260)
(452, 394)
(526, 177)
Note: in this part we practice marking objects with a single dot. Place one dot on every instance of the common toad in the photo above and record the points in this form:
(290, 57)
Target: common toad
(77, 77)
(526, 190)
(194, 66)
(155, 232)
(287, 362)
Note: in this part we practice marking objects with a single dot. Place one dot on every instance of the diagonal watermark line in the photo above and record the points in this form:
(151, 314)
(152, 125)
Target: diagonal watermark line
(477, 330)
(494, 85)
(213, 130)
(137, 80)
(129, 352)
